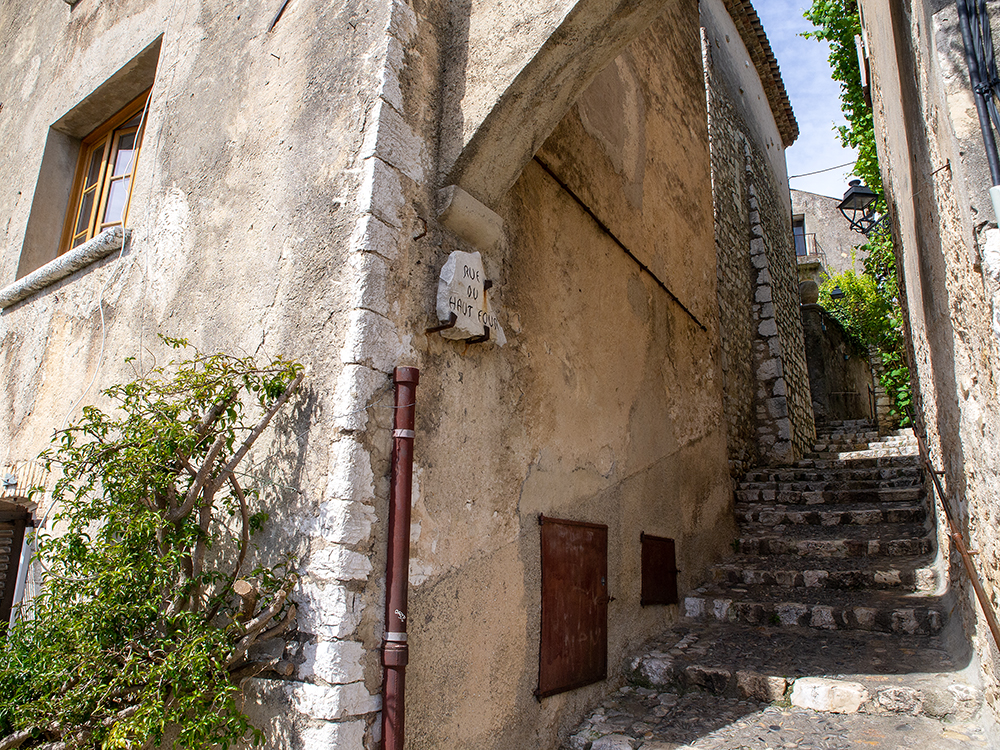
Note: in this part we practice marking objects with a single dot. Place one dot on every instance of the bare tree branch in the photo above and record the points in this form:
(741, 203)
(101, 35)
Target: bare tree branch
(17, 739)
(281, 627)
(253, 669)
(200, 481)
(261, 426)
(244, 544)
(255, 626)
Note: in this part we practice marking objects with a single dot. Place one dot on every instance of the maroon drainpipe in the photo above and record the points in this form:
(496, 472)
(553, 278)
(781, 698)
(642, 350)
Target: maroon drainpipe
(395, 652)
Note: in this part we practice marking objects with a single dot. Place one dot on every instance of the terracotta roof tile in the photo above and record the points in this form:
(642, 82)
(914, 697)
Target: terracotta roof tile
(755, 40)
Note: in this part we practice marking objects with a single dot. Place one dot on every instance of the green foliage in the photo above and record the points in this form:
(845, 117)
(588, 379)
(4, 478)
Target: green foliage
(137, 628)
(837, 23)
(870, 310)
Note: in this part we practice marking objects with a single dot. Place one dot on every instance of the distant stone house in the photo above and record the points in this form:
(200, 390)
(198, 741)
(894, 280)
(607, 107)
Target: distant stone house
(935, 170)
(302, 179)
(825, 244)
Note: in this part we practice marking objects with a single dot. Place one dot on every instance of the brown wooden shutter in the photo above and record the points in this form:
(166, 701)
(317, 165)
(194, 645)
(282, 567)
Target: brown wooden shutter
(12, 525)
(659, 570)
(574, 629)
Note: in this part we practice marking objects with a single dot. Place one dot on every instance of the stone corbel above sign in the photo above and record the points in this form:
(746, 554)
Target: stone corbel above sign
(468, 218)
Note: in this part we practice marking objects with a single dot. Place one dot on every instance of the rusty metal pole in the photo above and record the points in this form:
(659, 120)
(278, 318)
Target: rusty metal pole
(395, 652)
(956, 537)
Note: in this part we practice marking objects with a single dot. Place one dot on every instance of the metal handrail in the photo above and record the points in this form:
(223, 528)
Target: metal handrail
(956, 537)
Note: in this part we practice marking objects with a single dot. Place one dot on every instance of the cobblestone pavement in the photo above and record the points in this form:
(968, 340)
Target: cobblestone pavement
(643, 719)
(822, 632)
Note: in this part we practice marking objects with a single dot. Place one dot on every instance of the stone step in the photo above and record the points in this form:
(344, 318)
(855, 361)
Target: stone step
(901, 445)
(844, 514)
(835, 541)
(637, 718)
(839, 461)
(839, 474)
(905, 574)
(832, 424)
(822, 609)
(859, 454)
(911, 674)
(815, 493)
(839, 446)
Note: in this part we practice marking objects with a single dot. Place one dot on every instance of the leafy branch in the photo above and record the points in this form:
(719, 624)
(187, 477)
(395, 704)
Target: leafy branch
(870, 309)
(146, 618)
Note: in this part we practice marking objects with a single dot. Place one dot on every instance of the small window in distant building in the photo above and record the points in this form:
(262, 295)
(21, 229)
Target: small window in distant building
(799, 234)
(103, 179)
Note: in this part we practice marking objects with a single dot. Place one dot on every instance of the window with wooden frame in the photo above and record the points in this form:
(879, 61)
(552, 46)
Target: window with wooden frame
(103, 182)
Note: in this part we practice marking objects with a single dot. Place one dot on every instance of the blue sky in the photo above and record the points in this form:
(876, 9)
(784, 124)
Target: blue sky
(814, 97)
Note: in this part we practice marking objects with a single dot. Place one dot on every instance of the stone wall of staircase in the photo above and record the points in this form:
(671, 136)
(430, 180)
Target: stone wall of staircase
(766, 382)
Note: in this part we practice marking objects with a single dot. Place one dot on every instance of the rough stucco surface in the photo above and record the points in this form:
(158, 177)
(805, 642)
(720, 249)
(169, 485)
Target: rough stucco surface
(944, 234)
(241, 219)
(604, 406)
(768, 407)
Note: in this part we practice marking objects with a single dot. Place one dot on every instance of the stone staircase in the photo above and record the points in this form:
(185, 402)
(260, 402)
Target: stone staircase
(831, 611)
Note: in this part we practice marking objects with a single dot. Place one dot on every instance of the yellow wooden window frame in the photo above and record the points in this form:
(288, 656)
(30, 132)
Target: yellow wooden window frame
(103, 165)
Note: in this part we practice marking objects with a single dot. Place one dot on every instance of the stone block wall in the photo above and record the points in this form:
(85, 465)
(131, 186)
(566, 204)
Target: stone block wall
(736, 281)
(767, 398)
(775, 231)
(947, 248)
(840, 375)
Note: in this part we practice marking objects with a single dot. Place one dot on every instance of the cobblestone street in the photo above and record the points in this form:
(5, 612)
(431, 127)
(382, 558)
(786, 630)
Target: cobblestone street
(823, 633)
(644, 719)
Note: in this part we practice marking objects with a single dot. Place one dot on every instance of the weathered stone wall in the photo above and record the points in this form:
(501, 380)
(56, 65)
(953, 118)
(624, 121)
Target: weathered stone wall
(840, 378)
(286, 201)
(768, 407)
(604, 406)
(251, 181)
(933, 168)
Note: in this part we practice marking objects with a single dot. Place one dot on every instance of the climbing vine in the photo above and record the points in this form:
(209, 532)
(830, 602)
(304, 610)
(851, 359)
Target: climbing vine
(837, 23)
(144, 621)
(870, 308)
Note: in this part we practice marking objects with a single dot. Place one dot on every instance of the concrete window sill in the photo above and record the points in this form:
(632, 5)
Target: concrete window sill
(65, 265)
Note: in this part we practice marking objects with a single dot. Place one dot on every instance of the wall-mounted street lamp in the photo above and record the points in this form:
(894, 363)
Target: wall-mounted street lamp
(858, 207)
(837, 293)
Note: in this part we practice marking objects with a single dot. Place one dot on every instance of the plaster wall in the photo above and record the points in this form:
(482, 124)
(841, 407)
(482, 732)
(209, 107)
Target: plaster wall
(286, 202)
(933, 168)
(604, 406)
(249, 189)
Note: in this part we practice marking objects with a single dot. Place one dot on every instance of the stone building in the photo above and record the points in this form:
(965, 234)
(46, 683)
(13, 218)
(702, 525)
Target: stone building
(825, 244)
(934, 168)
(750, 120)
(303, 178)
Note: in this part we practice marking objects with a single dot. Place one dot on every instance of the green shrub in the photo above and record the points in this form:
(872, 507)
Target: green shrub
(138, 628)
